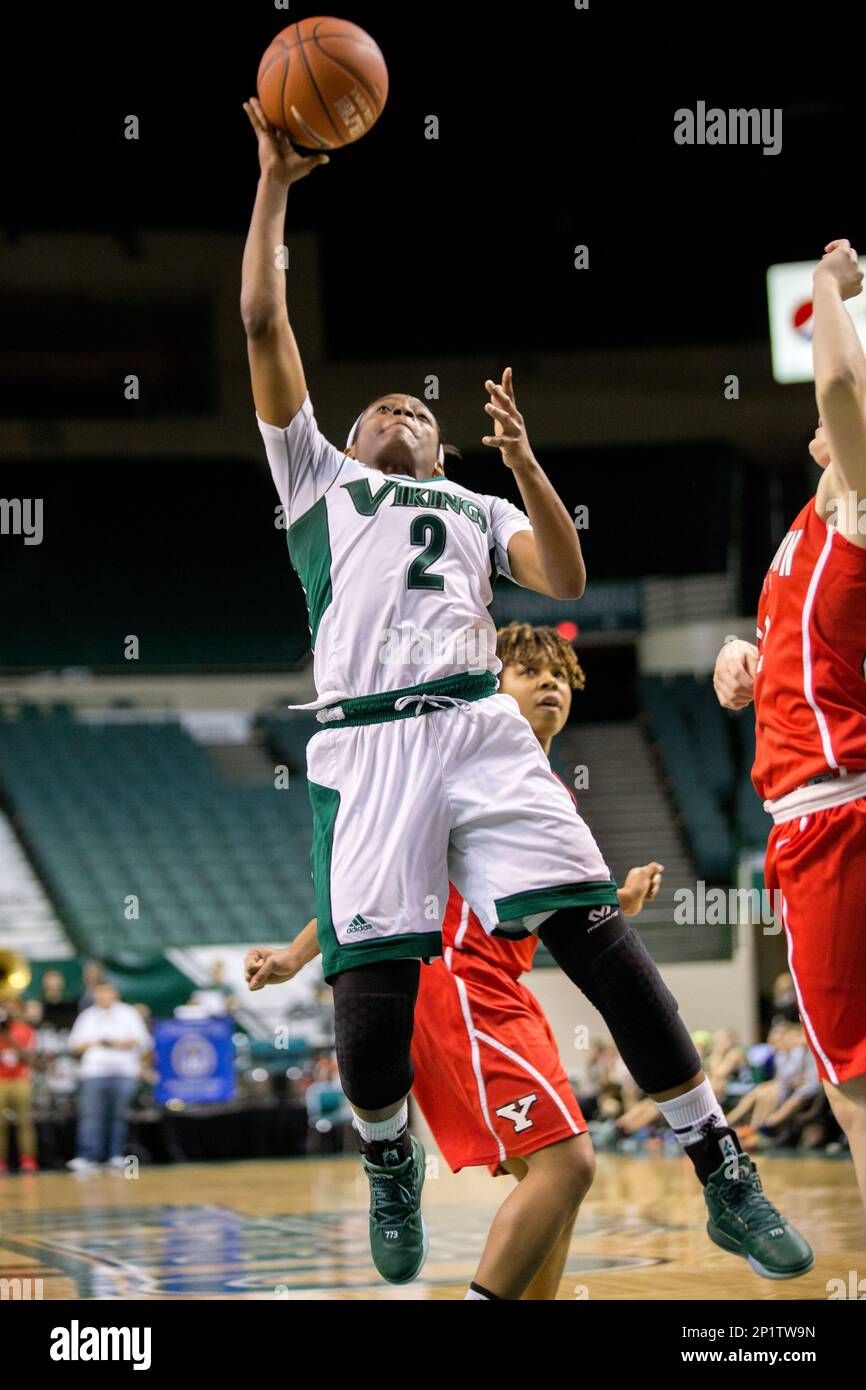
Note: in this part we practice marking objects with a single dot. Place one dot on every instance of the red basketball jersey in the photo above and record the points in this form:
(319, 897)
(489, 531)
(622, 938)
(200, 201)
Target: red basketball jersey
(467, 947)
(810, 689)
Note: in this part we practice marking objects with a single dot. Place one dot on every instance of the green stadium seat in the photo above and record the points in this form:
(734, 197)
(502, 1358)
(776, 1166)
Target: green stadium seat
(110, 810)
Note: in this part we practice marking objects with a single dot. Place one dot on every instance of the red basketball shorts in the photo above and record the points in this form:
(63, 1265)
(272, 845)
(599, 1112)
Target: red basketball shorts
(817, 862)
(488, 1076)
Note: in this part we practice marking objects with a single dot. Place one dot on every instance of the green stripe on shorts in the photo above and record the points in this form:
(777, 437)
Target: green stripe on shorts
(417, 946)
(551, 899)
(325, 802)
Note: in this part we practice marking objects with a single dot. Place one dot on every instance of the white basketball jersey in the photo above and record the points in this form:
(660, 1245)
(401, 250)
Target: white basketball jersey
(397, 573)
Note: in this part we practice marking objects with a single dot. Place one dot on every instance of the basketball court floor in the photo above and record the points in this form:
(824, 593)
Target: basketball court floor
(297, 1230)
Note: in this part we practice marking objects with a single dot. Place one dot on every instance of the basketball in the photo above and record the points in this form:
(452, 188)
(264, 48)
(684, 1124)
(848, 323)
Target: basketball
(324, 82)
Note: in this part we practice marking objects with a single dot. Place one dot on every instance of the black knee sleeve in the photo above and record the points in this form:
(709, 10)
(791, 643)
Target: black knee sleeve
(374, 1008)
(611, 965)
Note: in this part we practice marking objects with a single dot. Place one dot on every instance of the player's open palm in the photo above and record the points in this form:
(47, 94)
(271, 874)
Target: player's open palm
(278, 157)
(509, 436)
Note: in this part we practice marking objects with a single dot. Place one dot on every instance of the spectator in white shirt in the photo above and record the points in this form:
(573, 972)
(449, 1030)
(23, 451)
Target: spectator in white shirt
(111, 1040)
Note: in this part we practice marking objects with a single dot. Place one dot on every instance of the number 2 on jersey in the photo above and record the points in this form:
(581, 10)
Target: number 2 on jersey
(428, 531)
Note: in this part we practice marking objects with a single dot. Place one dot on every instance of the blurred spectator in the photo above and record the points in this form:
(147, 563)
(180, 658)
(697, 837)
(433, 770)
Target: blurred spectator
(610, 1106)
(620, 1079)
(55, 1080)
(328, 1111)
(94, 974)
(760, 1102)
(588, 1087)
(111, 1040)
(643, 1115)
(58, 1011)
(820, 1128)
(216, 997)
(725, 1062)
(148, 1076)
(785, 1008)
(17, 1047)
(722, 1057)
(798, 1089)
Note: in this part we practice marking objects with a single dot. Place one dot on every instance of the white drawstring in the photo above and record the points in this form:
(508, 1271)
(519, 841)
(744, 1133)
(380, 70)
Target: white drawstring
(434, 701)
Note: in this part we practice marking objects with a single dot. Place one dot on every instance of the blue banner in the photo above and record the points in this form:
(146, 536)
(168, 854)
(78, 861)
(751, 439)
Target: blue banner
(195, 1060)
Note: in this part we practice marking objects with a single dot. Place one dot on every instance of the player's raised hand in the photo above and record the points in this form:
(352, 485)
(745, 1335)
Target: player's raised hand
(641, 886)
(278, 157)
(509, 436)
(840, 262)
(267, 965)
(734, 676)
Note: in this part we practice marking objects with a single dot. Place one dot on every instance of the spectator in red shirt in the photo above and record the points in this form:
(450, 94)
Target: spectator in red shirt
(17, 1045)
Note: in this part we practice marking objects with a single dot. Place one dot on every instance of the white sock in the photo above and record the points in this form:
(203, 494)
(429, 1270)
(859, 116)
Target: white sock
(472, 1293)
(371, 1130)
(687, 1114)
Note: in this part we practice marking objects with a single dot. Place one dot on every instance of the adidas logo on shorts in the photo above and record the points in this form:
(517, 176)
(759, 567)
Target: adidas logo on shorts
(358, 924)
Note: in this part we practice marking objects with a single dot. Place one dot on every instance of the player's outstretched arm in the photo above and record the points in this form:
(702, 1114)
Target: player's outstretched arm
(272, 965)
(276, 370)
(548, 558)
(840, 366)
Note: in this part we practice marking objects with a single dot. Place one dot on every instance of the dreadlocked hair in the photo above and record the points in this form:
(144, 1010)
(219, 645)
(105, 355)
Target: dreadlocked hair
(522, 643)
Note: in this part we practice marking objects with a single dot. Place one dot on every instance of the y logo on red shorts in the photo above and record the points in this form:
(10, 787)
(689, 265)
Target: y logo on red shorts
(516, 1111)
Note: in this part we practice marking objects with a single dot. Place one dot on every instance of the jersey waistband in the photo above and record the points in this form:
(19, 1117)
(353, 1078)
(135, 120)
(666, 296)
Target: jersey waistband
(818, 795)
(414, 699)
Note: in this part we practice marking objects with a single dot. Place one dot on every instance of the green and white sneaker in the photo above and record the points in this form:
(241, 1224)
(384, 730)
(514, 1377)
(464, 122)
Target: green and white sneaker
(398, 1232)
(743, 1221)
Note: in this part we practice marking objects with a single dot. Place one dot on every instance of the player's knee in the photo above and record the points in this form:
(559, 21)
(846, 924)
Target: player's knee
(608, 961)
(643, 1016)
(848, 1103)
(373, 1039)
(569, 1167)
(374, 1009)
(581, 1171)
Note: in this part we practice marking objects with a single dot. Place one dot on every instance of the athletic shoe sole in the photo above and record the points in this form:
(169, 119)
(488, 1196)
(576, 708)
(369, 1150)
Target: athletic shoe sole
(756, 1265)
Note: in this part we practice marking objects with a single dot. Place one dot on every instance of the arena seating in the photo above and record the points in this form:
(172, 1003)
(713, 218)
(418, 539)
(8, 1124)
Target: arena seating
(112, 812)
(706, 755)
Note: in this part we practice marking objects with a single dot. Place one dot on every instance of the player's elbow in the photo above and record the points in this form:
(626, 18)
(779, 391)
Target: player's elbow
(259, 318)
(570, 591)
(839, 384)
(569, 586)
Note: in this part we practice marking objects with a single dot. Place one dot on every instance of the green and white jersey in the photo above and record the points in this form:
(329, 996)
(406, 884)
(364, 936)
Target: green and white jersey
(397, 573)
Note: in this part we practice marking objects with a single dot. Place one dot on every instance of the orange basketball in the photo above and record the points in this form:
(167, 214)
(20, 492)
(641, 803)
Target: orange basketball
(324, 82)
